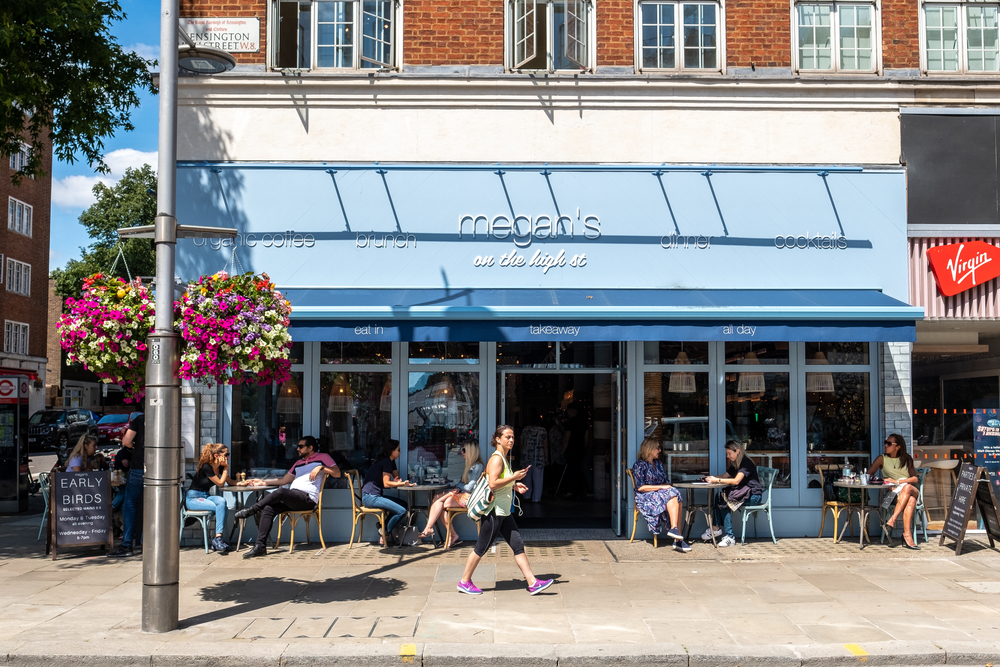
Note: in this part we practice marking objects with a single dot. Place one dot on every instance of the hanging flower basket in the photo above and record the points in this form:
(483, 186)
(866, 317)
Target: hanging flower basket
(106, 330)
(235, 330)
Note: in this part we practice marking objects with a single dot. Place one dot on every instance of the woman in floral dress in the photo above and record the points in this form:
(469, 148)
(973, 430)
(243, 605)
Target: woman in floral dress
(656, 500)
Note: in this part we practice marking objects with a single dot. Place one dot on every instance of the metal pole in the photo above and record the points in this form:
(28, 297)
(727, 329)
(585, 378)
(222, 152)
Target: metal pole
(161, 493)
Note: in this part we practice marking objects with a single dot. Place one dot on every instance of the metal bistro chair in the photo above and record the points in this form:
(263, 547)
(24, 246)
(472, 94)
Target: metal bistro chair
(359, 511)
(201, 516)
(919, 513)
(307, 515)
(43, 480)
(635, 509)
(766, 477)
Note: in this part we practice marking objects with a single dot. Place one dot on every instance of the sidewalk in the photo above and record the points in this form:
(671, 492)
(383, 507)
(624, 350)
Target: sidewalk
(802, 601)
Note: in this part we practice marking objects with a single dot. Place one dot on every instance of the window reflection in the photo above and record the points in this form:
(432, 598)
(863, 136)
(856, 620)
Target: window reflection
(676, 414)
(670, 352)
(838, 423)
(267, 424)
(355, 353)
(444, 353)
(442, 415)
(757, 405)
(757, 353)
(356, 411)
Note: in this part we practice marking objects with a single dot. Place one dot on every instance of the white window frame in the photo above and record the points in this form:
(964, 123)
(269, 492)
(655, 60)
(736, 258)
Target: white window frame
(15, 337)
(20, 158)
(18, 277)
(27, 214)
(963, 35)
(835, 33)
(679, 37)
(590, 35)
(396, 49)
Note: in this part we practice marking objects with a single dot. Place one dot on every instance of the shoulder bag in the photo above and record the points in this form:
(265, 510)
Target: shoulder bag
(481, 498)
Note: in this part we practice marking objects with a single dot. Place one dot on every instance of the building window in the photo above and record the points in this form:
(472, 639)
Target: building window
(961, 37)
(19, 216)
(324, 34)
(836, 37)
(15, 337)
(19, 159)
(18, 277)
(550, 35)
(680, 36)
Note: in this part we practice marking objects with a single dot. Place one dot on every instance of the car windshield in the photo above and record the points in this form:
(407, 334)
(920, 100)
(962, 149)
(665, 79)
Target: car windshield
(46, 417)
(114, 419)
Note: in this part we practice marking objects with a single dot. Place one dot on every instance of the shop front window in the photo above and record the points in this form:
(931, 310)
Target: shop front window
(267, 424)
(526, 355)
(838, 424)
(442, 416)
(681, 354)
(356, 411)
(837, 354)
(355, 353)
(676, 415)
(444, 353)
(757, 353)
(757, 406)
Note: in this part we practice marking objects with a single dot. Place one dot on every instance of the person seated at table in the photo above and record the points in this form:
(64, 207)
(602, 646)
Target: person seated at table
(381, 476)
(84, 456)
(306, 477)
(743, 488)
(658, 501)
(457, 497)
(898, 470)
(213, 470)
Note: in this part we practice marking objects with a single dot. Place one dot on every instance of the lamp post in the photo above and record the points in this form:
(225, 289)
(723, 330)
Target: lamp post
(164, 456)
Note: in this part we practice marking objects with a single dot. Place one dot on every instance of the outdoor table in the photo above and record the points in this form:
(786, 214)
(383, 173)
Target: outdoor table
(864, 510)
(239, 492)
(412, 511)
(690, 508)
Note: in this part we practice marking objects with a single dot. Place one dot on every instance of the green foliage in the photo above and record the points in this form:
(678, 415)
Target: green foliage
(127, 203)
(64, 78)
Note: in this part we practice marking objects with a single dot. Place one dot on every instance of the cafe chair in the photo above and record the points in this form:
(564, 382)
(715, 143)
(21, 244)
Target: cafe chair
(303, 515)
(201, 516)
(766, 477)
(359, 511)
(635, 509)
(453, 513)
(940, 469)
(919, 513)
(43, 481)
(837, 507)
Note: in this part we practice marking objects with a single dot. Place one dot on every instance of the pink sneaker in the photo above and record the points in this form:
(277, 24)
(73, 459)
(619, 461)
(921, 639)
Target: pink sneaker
(468, 588)
(539, 586)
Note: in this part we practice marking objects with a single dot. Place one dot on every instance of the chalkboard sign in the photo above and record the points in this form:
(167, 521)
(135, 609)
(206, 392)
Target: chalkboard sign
(972, 488)
(79, 509)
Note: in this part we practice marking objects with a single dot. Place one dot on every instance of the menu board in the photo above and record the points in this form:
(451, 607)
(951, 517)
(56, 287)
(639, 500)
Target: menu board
(958, 514)
(972, 488)
(80, 511)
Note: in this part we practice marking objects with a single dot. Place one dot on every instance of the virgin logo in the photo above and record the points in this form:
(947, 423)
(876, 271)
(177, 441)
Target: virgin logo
(961, 266)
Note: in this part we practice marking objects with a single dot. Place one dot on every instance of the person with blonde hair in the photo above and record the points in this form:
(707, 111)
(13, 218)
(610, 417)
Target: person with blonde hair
(84, 456)
(457, 497)
(658, 501)
(743, 488)
(213, 470)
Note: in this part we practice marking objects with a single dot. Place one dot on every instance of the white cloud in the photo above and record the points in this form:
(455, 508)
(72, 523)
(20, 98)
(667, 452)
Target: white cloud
(75, 192)
(147, 51)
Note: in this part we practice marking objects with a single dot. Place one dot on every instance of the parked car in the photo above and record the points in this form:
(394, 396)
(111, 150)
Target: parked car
(111, 429)
(57, 428)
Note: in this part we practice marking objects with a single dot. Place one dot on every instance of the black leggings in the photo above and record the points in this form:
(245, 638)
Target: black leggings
(490, 526)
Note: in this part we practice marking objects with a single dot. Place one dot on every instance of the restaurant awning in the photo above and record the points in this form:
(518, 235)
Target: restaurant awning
(599, 315)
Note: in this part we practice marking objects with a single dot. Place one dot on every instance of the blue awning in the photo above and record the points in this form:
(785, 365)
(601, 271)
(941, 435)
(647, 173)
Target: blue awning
(609, 314)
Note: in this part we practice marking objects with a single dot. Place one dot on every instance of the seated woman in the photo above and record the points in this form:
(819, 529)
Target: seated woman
(898, 469)
(457, 497)
(84, 456)
(381, 476)
(744, 487)
(213, 470)
(657, 500)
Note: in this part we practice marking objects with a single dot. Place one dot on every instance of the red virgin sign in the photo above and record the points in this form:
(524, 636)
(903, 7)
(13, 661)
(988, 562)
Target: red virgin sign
(961, 266)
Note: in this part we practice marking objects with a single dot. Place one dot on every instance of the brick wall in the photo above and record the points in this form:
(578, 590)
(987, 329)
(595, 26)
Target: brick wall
(615, 33)
(53, 350)
(758, 32)
(247, 8)
(896, 394)
(900, 34)
(450, 32)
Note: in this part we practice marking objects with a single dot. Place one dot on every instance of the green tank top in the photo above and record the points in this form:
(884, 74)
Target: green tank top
(894, 468)
(503, 498)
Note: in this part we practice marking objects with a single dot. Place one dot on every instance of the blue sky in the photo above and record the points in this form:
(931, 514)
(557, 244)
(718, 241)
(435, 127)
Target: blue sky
(72, 183)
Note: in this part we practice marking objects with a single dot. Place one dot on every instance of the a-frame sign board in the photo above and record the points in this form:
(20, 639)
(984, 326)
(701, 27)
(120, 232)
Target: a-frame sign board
(972, 489)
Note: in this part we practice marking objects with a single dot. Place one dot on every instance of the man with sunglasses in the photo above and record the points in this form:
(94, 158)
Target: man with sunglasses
(306, 477)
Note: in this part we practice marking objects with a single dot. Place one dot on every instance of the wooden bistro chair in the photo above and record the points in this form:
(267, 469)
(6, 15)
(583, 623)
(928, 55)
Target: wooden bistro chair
(303, 515)
(837, 507)
(635, 509)
(359, 511)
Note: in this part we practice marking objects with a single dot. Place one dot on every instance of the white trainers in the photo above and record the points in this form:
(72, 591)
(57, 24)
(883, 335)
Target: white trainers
(707, 535)
(727, 541)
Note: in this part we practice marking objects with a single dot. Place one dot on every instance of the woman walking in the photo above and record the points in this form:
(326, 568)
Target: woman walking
(457, 497)
(498, 520)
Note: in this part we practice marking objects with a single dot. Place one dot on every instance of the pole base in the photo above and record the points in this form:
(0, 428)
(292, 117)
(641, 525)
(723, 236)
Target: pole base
(160, 608)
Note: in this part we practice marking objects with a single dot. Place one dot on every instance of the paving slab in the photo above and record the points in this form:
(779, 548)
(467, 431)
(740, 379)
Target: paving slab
(882, 654)
(711, 655)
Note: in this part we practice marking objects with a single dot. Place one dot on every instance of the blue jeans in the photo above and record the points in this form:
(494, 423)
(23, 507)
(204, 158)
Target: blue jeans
(199, 500)
(116, 502)
(397, 508)
(724, 516)
(132, 505)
